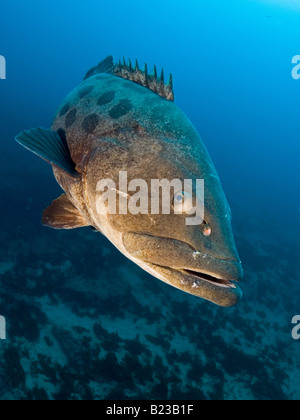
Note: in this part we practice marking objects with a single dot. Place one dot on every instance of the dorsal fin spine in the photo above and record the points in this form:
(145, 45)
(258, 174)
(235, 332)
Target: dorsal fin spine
(162, 77)
(171, 81)
(146, 75)
(126, 71)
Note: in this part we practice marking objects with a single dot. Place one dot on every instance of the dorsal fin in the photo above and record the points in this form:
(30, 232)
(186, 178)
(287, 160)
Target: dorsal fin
(142, 77)
(106, 66)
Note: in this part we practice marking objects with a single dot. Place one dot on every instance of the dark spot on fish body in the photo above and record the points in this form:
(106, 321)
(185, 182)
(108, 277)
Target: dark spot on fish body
(64, 110)
(122, 109)
(106, 98)
(85, 91)
(90, 123)
(71, 118)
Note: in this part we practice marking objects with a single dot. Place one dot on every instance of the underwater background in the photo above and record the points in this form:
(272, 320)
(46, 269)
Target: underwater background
(83, 322)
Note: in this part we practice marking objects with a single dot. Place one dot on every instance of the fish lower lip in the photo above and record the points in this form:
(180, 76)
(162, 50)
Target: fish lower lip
(210, 279)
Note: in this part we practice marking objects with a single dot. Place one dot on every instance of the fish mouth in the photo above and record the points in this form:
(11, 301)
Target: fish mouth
(216, 281)
(211, 279)
(220, 291)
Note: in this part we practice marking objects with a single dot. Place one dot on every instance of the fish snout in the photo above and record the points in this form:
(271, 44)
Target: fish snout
(195, 272)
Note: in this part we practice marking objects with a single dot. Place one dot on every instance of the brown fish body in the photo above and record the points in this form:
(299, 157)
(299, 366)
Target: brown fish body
(111, 126)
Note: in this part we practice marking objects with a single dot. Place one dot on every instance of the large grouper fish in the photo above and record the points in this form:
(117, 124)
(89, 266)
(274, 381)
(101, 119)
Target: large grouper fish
(122, 119)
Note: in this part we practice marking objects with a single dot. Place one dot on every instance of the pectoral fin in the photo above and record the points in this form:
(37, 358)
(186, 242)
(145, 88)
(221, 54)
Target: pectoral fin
(62, 214)
(50, 145)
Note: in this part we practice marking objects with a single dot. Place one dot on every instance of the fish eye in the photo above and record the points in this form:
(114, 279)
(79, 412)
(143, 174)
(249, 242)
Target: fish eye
(179, 198)
(183, 202)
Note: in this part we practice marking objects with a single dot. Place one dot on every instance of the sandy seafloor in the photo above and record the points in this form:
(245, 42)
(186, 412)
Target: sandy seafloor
(85, 323)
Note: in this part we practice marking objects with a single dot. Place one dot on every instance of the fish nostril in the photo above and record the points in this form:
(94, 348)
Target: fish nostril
(207, 231)
(206, 228)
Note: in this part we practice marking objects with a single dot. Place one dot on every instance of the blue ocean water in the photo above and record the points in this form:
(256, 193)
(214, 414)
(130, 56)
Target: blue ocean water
(82, 321)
